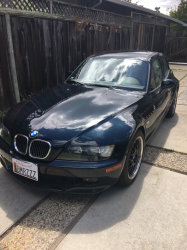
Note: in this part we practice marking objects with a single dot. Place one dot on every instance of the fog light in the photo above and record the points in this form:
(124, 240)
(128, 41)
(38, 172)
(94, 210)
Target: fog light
(90, 179)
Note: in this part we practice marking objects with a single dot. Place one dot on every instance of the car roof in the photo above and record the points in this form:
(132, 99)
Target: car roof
(139, 55)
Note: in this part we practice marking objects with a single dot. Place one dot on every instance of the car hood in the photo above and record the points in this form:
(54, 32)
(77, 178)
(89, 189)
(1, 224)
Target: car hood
(62, 113)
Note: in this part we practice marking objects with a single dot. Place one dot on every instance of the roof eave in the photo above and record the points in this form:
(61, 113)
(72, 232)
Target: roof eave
(134, 6)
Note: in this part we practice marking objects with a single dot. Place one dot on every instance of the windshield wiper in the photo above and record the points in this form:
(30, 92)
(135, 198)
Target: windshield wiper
(91, 84)
(100, 85)
(75, 82)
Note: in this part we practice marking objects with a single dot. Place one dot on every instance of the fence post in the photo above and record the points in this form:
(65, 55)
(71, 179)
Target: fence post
(51, 7)
(12, 58)
(153, 37)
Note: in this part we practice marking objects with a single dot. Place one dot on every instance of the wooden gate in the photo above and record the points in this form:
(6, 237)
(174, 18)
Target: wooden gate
(176, 46)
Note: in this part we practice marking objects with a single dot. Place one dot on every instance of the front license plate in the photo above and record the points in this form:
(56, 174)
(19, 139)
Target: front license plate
(25, 169)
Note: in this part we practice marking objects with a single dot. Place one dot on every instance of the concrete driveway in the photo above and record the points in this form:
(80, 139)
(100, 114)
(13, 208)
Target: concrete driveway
(179, 70)
(150, 214)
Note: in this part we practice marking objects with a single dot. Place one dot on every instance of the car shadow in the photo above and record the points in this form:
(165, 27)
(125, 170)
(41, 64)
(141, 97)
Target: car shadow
(160, 137)
(113, 206)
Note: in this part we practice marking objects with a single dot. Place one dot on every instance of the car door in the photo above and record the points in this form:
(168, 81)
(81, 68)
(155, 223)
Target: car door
(164, 94)
(166, 75)
(150, 103)
(161, 95)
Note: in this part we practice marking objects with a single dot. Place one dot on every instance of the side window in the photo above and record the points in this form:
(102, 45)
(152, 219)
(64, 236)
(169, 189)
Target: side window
(164, 67)
(156, 74)
(152, 82)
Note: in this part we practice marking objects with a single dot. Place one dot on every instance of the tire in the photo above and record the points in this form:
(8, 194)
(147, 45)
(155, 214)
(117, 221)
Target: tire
(133, 160)
(172, 109)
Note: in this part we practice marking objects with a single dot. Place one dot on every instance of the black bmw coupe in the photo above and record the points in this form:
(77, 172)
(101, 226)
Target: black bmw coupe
(89, 133)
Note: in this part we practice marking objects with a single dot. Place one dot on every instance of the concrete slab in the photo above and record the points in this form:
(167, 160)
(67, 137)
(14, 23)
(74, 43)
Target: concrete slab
(183, 83)
(180, 74)
(178, 66)
(182, 102)
(172, 132)
(179, 70)
(15, 199)
(181, 90)
(150, 214)
(183, 95)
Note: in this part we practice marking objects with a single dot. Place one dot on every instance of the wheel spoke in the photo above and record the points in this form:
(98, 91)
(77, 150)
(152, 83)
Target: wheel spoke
(130, 165)
(135, 158)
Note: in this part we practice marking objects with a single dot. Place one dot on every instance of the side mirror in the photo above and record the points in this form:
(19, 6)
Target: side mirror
(167, 84)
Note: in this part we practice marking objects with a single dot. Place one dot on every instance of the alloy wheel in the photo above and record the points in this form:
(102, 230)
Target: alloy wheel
(135, 158)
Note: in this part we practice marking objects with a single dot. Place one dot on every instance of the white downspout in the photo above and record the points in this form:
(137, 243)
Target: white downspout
(100, 2)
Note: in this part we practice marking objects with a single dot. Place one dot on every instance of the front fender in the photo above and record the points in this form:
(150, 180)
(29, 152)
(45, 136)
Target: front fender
(118, 131)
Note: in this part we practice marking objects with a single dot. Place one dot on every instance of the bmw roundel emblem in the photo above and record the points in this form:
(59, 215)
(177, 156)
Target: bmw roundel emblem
(33, 134)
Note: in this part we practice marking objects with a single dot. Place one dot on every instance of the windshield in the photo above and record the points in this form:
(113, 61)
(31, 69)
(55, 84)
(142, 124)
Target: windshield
(112, 72)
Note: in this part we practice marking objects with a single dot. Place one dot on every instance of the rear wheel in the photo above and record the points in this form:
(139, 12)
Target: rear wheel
(133, 160)
(172, 109)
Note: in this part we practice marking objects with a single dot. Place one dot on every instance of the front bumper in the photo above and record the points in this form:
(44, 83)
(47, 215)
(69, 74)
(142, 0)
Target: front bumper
(65, 176)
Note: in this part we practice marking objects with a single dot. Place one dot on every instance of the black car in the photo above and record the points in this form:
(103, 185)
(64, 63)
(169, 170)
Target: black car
(89, 133)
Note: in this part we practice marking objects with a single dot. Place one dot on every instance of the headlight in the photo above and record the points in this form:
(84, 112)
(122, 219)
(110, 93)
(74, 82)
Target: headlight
(86, 153)
(5, 134)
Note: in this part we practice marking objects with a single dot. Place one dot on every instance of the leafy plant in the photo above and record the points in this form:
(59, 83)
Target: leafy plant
(179, 13)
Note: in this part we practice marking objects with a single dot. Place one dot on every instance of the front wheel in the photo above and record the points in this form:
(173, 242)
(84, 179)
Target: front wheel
(133, 160)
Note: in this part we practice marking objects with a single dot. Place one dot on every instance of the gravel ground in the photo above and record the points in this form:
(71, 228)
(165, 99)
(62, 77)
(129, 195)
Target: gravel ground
(164, 158)
(45, 224)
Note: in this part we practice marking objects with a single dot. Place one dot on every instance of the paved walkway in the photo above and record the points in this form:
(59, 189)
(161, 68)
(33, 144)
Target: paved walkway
(179, 70)
(150, 214)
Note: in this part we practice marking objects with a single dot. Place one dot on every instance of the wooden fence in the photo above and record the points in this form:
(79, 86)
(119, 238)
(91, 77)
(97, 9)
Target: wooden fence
(176, 46)
(47, 47)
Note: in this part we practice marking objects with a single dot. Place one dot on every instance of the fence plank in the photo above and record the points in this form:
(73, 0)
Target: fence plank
(12, 59)
(6, 90)
(159, 38)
